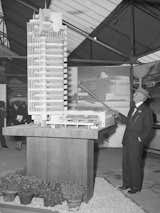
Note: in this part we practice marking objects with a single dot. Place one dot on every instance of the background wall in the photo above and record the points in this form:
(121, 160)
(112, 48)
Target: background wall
(111, 86)
(17, 88)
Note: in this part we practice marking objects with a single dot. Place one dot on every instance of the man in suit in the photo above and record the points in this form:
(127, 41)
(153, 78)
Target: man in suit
(138, 129)
(2, 117)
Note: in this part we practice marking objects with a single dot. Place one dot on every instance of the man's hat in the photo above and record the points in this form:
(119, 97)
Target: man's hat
(144, 92)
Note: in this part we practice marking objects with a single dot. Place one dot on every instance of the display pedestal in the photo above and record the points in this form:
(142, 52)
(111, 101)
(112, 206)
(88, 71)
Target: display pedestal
(61, 159)
(62, 154)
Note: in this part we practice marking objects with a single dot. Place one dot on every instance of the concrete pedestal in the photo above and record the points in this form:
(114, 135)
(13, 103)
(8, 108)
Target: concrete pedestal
(59, 154)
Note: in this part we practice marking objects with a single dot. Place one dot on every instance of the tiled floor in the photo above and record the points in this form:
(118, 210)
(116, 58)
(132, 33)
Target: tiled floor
(108, 165)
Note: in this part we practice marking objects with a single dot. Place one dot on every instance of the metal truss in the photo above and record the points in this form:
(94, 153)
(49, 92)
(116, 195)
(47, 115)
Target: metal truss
(3, 35)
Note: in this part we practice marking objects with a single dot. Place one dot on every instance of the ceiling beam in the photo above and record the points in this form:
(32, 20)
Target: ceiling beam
(86, 35)
(132, 50)
(127, 37)
(112, 16)
(27, 5)
(92, 61)
(78, 30)
(142, 6)
(6, 52)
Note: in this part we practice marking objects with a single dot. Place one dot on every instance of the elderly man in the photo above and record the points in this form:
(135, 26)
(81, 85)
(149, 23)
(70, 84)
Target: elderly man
(138, 129)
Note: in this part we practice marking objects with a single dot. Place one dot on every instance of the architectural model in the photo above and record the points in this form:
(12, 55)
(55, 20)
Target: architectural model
(48, 79)
(47, 67)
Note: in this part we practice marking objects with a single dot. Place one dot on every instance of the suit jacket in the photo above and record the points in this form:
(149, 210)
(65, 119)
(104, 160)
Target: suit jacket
(138, 124)
(2, 117)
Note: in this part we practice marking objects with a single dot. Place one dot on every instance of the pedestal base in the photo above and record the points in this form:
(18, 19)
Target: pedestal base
(60, 154)
(62, 159)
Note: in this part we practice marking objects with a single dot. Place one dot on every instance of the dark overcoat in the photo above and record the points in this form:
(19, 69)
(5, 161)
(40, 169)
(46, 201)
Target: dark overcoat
(136, 137)
(2, 117)
(138, 124)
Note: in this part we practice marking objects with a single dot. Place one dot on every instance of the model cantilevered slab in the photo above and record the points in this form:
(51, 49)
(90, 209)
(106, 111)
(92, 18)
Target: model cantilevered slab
(59, 153)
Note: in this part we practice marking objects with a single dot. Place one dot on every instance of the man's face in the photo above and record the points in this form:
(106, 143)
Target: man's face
(139, 97)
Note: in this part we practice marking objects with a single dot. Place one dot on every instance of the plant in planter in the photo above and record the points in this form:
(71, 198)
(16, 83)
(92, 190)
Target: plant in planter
(58, 194)
(73, 193)
(51, 192)
(72, 190)
(18, 183)
(36, 185)
(9, 186)
(26, 189)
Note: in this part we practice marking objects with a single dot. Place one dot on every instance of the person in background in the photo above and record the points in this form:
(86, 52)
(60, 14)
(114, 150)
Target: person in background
(2, 117)
(139, 124)
(18, 115)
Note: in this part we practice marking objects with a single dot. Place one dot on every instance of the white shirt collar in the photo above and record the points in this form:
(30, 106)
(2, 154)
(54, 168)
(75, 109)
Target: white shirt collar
(139, 103)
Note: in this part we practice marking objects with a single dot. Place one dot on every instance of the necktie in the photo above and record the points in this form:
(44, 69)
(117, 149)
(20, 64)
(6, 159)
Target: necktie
(135, 109)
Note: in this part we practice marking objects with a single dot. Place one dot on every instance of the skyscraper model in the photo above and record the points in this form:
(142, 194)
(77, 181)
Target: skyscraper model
(49, 78)
(46, 63)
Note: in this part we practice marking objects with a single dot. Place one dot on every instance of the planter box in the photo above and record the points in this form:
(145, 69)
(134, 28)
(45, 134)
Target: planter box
(9, 208)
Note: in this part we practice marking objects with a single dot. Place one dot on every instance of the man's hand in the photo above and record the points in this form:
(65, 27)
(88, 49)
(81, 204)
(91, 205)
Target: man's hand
(119, 117)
